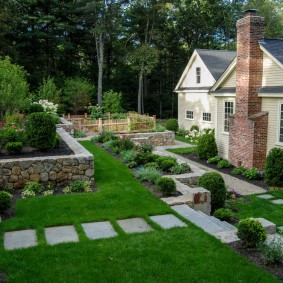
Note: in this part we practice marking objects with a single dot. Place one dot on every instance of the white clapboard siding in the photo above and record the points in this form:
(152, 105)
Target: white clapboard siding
(272, 73)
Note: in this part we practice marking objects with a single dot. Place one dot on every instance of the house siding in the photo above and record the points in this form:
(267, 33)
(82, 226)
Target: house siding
(222, 138)
(272, 73)
(199, 103)
(272, 106)
(231, 81)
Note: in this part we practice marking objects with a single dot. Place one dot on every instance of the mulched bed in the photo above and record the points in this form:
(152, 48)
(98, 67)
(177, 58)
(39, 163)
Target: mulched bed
(256, 257)
(28, 152)
(193, 156)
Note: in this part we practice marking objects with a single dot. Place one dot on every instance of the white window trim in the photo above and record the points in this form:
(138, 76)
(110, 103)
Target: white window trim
(278, 127)
(208, 122)
(222, 126)
(189, 118)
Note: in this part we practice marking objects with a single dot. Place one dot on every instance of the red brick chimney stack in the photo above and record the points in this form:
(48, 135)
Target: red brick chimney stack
(248, 127)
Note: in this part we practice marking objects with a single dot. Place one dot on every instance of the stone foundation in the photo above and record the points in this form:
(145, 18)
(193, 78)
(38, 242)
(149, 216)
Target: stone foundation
(155, 138)
(58, 170)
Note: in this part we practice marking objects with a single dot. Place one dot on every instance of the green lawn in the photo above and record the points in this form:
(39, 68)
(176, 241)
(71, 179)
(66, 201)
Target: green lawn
(183, 139)
(182, 150)
(258, 207)
(177, 255)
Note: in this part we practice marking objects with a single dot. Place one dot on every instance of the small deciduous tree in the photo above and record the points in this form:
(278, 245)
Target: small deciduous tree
(112, 102)
(48, 90)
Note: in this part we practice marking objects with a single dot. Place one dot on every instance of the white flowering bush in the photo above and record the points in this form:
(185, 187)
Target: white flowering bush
(49, 107)
(28, 194)
(48, 193)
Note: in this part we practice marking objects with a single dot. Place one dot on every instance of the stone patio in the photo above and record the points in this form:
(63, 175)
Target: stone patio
(61, 234)
(20, 239)
(99, 230)
(168, 221)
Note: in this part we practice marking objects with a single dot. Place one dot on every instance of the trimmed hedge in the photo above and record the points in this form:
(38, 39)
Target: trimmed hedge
(206, 147)
(172, 125)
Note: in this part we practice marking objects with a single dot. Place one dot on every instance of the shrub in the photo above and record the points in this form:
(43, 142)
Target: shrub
(40, 131)
(151, 157)
(223, 164)
(251, 232)
(214, 160)
(273, 167)
(160, 159)
(166, 185)
(79, 134)
(251, 174)
(105, 136)
(10, 134)
(160, 128)
(14, 147)
(79, 186)
(272, 251)
(167, 164)
(112, 102)
(172, 125)
(151, 164)
(146, 147)
(150, 174)
(239, 170)
(5, 201)
(214, 182)
(182, 132)
(35, 187)
(223, 214)
(206, 146)
(35, 108)
(194, 128)
(128, 155)
(57, 141)
(180, 168)
(125, 144)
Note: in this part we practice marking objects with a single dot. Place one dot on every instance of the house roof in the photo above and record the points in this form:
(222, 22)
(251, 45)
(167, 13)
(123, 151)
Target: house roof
(274, 47)
(216, 60)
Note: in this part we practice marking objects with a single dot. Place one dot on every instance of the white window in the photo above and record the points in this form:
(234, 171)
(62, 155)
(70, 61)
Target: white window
(190, 115)
(281, 123)
(206, 116)
(198, 75)
(228, 110)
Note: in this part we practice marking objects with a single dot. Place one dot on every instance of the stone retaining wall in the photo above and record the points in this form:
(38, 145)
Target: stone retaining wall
(155, 138)
(67, 126)
(59, 170)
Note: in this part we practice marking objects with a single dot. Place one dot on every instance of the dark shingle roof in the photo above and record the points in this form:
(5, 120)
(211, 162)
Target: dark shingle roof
(274, 47)
(216, 60)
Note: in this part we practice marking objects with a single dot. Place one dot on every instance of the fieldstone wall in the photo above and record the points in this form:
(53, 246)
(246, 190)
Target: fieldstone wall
(67, 126)
(59, 170)
(155, 138)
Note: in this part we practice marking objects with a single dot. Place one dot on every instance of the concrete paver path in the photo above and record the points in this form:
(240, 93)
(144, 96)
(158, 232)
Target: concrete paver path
(168, 221)
(134, 225)
(98, 230)
(20, 239)
(61, 234)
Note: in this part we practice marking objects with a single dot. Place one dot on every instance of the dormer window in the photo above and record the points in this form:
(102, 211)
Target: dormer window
(198, 75)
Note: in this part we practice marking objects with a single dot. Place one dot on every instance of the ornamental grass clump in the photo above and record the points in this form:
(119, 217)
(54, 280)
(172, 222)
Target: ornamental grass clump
(150, 174)
(214, 182)
(251, 232)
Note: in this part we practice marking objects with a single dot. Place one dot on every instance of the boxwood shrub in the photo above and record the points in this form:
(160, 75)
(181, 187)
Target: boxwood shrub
(166, 185)
(14, 147)
(5, 201)
(206, 146)
(172, 125)
(40, 131)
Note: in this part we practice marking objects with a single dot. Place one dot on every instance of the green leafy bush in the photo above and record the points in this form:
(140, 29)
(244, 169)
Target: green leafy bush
(214, 182)
(128, 155)
(35, 187)
(214, 160)
(105, 136)
(251, 232)
(159, 128)
(160, 159)
(194, 128)
(151, 157)
(151, 164)
(125, 144)
(146, 147)
(206, 146)
(223, 164)
(223, 214)
(239, 170)
(35, 107)
(166, 185)
(40, 131)
(14, 147)
(272, 251)
(57, 141)
(273, 167)
(180, 168)
(79, 134)
(166, 165)
(182, 132)
(172, 125)
(251, 174)
(10, 134)
(5, 201)
(150, 174)
(78, 186)
(112, 102)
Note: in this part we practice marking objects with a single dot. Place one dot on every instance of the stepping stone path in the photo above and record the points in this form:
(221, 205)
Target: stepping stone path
(134, 225)
(265, 196)
(168, 221)
(98, 230)
(20, 239)
(61, 234)
(277, 201)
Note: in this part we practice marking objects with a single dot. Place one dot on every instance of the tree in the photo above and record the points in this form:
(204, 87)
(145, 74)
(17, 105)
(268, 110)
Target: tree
(112, 102)
(48, 90)
(13, 87)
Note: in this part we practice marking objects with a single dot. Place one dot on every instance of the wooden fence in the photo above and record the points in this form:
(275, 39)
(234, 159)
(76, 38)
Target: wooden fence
(134, 123)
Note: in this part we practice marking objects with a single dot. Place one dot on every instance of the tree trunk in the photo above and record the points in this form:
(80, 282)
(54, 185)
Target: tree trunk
(100, 52)
(140, 93)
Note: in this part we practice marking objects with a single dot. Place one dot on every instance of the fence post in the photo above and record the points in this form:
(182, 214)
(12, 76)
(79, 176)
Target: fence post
(154, 122)
(80, 125)
(69, 116)
(129, 124)
(100, 126)
(85, 115)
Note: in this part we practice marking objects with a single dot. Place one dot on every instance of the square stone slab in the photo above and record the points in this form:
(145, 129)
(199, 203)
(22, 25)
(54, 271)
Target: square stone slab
(98, 230)
(61, 234)
(265, 196)
(168, 221)
(277, 201)
(269, 227)
(134, 225)
(20, 239)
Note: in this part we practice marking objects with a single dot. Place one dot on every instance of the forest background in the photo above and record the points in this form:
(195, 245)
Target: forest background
(138, 48)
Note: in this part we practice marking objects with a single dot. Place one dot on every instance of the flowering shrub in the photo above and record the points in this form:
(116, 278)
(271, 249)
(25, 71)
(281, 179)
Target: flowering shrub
(48, 107)
(48, 193)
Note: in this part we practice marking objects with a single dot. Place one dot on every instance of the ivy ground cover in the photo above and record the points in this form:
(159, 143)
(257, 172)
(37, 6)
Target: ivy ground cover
(176, 255)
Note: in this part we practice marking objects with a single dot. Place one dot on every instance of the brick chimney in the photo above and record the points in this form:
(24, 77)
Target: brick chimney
(248, 127)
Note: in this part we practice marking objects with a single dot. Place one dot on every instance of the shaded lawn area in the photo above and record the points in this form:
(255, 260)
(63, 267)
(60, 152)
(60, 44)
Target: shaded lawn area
(183, 150)
(183, 139)
(177, 255)
(258, 207)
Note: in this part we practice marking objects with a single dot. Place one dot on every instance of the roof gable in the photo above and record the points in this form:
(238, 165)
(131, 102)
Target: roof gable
(273, 48)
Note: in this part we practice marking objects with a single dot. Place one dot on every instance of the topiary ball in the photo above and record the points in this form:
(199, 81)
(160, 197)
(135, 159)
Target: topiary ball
(214, 182)
(172, 125)
(166, 185)
(40, 131)
(5, 201)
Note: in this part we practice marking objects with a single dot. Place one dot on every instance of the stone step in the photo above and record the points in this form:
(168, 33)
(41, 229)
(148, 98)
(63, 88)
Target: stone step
(225, 225)
(199, 220)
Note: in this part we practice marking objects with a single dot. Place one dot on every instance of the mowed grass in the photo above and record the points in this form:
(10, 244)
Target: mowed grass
(176, 255)
(184, 150)
(183, 139)
(258, 207)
